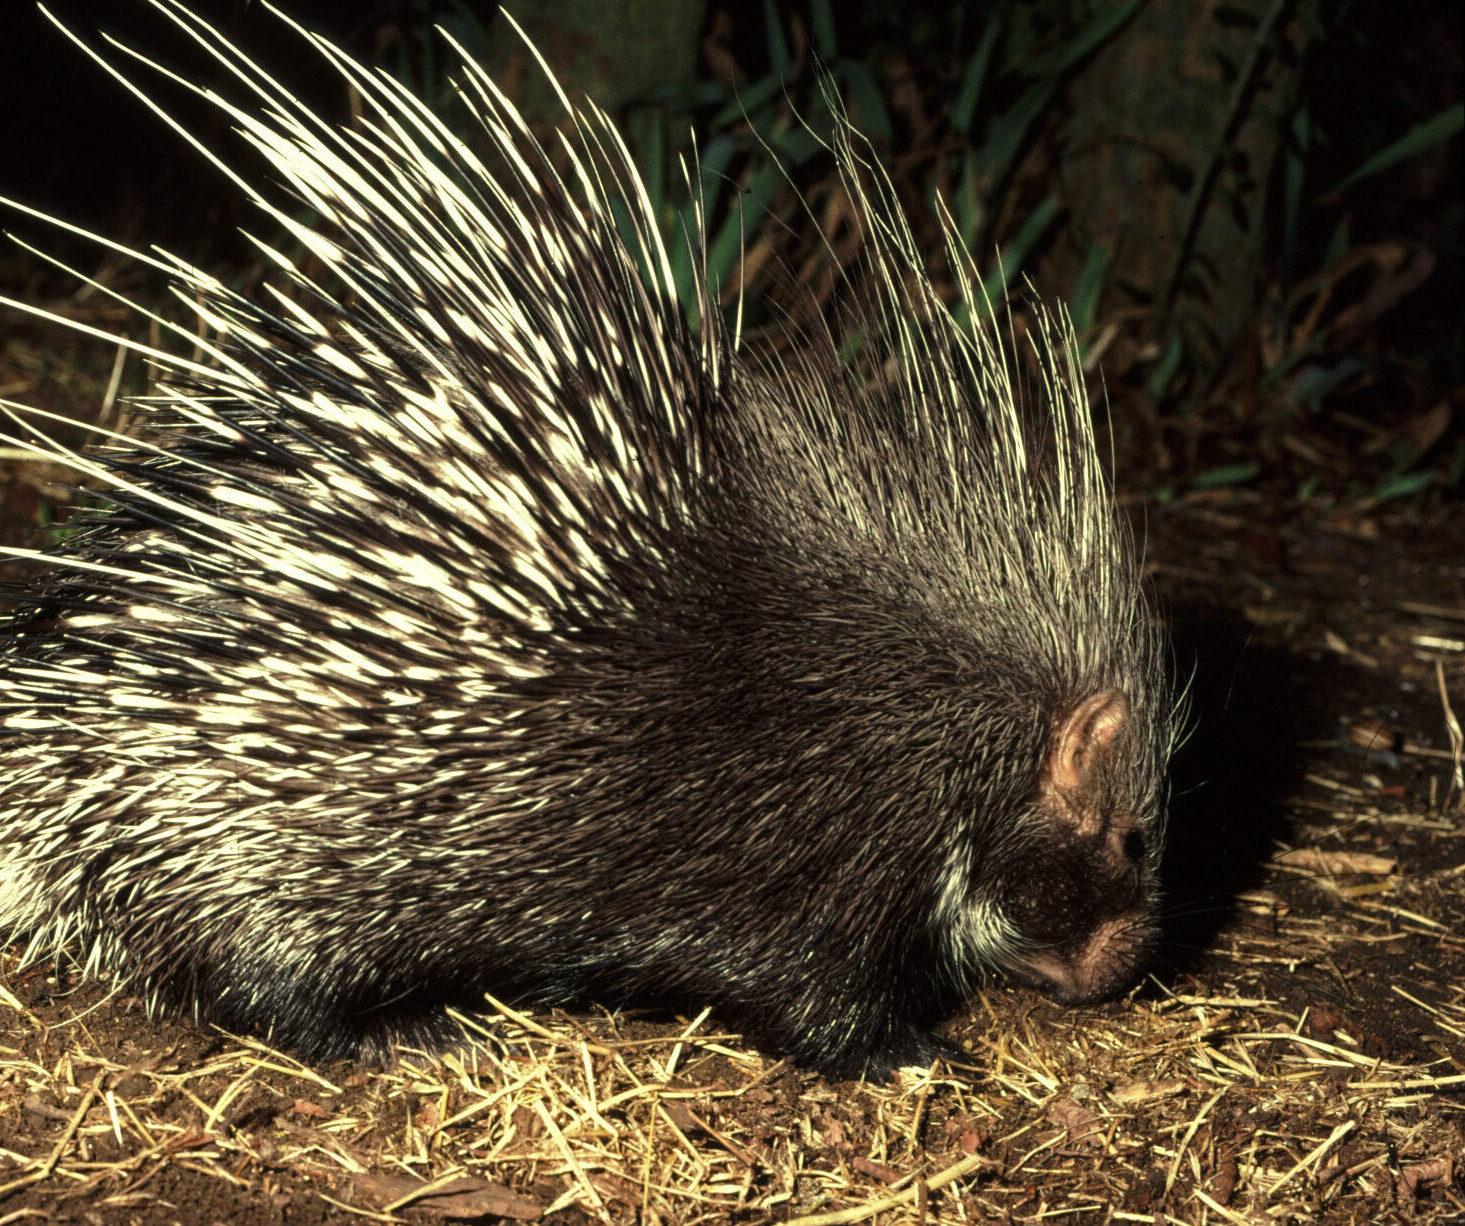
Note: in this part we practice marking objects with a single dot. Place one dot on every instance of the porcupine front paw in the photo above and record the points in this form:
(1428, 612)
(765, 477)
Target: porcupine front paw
(912, 1047)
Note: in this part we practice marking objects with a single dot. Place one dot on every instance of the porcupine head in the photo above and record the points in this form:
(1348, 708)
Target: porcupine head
(471, 623)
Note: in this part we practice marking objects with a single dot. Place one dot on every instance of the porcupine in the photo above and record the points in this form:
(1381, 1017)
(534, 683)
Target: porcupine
(464, 620)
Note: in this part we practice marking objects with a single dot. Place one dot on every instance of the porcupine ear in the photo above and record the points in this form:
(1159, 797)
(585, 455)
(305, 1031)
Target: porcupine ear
(1081, 747)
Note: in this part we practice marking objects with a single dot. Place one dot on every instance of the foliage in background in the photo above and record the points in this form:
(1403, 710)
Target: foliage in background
(950, 97)
(974, 104)
(1319, 354)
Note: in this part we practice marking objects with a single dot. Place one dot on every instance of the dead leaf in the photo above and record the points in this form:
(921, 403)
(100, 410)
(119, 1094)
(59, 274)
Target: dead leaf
(1375, 736)
(1223, 1181)
(1084, 1126)
(1418, 1177)
(1335, 863)
(876, 1170)
(464, 1197)
(1147, 1091)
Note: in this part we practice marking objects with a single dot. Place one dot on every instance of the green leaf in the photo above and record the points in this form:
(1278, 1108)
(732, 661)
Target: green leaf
(1104, 24)
(1226, 474)
(741, 223)
(972, 78)
(652, 160)
(780, 62)
(970, 215)
(1088, 38)
(1083, 303)
(1417, 140)
(745, 102)
(850, 347)
(1317, 381)
(1294, 162)
(1401, 485)
(825, 42)
(711, 165)
(795, 144)
(1340, 243)
(1010, 131)
(1165, 369)
(1018, 248)
(873, 118)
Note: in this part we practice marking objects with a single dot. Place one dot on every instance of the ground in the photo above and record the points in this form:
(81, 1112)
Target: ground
(1298, 1056)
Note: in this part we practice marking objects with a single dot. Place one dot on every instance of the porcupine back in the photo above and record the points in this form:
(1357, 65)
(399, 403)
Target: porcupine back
(466, 621)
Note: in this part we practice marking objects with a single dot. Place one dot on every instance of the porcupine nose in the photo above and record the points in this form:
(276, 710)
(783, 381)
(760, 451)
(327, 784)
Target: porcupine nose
(1106, 963)
(1107, 958)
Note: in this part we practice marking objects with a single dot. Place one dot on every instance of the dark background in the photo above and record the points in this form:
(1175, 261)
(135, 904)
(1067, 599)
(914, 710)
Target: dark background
(1186, 181)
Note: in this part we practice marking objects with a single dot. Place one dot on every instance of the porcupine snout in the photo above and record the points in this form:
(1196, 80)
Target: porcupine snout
(1081, 893)
(1081, 959)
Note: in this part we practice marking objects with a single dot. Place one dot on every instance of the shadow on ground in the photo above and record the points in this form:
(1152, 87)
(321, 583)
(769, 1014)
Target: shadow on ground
(1250, 706)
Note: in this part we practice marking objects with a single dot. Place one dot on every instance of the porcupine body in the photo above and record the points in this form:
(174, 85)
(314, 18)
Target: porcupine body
(463, 621)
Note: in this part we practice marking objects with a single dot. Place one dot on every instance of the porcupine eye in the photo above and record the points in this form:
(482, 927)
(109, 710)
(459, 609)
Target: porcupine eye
(1135, 845)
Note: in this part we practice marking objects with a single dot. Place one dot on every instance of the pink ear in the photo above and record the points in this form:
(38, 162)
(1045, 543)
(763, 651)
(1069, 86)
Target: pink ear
(1083, 740)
